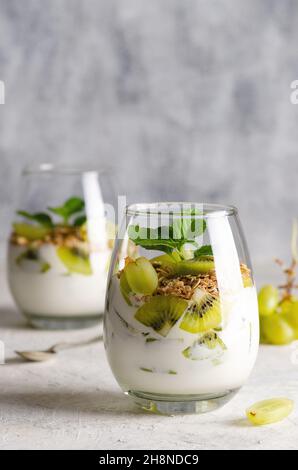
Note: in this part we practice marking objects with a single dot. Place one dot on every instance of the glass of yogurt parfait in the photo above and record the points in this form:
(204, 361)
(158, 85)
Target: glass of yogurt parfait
(59, 247)
(181, 322)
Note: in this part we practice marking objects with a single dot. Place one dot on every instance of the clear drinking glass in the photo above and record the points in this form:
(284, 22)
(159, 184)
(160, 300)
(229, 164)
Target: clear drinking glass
(181, 318)
(60, 247)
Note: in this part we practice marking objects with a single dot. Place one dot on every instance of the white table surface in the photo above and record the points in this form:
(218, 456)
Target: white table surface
(74, 402)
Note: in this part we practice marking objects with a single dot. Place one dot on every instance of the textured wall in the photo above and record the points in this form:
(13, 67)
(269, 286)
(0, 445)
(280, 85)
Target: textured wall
(186, 99)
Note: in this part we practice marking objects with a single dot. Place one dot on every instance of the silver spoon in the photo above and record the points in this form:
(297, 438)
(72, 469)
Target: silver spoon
(41, 356)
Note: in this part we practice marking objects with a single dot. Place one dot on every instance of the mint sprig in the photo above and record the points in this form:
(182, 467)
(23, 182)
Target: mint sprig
(179, 232)
(72, 206)
(205, 250)
(151, 239)
(40, 217)
(79, 221)
(187, 228)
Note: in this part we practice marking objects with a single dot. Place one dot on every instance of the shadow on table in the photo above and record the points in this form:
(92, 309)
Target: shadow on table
(101, 402)
(11, 318)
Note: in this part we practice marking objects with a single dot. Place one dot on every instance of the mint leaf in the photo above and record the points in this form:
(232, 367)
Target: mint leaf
(160, 245)
(80, 220)
(188, 229)
(40, 217)
(73, 205)
(168, 238)
(70, 207)
(205, 250)
(151, 239)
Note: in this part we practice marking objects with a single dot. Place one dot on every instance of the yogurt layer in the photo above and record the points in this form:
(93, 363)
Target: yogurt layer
(144, 361)
(56, 291)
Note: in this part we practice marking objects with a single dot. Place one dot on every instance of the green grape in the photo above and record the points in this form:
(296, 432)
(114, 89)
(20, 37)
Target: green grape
(31, 232)
(291, 315)
(141, 276)
(263, 339)
(286, 304)
(268, 299)
(74, 260)
(276, 330)
(269, 411)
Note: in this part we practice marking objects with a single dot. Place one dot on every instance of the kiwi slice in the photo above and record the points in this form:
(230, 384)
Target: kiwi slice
(201, 265)
(202, 315)
(36, 263)
(124, 287)
(31, 232)
(75, 260)
(209, 340)
(161, 313)
(29, 255)
(45, 267)
(166, 263)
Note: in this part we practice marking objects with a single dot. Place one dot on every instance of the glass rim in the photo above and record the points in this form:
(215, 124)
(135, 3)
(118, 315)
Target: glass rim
(60, 169)
(176, 208)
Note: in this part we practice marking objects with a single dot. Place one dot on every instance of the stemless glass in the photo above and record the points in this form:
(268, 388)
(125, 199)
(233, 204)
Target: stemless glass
(181, 322)
(60, 247)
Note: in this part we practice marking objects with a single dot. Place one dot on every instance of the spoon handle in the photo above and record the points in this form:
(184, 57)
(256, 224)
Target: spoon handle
(68, 345)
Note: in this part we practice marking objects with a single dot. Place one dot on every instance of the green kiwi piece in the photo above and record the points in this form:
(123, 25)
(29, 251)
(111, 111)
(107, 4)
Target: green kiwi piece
(33, 256)
(202, 315)
(31, 232)
(170, 371)
(125, 289)
(201, 265)
(76, 261)
(165, 262)
(29, 255)
(145, 369)
(209, 340)
(175, 256)
(161, 313)
(45, 267)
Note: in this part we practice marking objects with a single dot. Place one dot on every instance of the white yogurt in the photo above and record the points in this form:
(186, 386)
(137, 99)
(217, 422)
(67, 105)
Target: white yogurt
(160, 367)
(56, 292)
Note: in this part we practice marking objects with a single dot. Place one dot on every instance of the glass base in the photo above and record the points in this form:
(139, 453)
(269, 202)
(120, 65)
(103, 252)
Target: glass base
(181, 404)
(43, 322)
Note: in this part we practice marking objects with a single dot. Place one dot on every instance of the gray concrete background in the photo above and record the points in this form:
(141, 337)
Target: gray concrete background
(185, 99)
